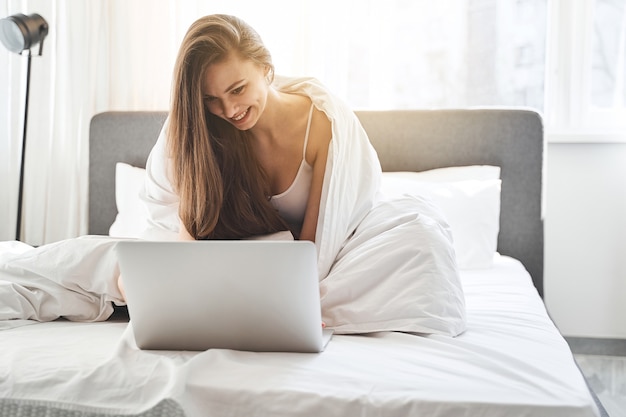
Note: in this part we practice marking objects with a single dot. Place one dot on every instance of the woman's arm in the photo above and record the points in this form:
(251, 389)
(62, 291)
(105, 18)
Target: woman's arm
(316, 155)
(120, 286)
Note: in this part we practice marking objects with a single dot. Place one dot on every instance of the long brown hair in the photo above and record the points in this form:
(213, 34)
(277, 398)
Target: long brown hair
(223, 190)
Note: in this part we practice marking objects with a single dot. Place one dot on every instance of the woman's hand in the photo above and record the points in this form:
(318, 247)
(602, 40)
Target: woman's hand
(183, 234)
(120, 286)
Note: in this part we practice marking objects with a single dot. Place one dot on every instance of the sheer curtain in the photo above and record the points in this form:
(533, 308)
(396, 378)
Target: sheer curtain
(99, 55)
(118, 55)
(54, 156)
(62, 97)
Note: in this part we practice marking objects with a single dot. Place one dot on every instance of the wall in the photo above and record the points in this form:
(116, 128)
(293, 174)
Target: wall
(585, 230)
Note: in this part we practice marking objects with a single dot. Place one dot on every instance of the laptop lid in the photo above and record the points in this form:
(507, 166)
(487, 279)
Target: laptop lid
(244, 295)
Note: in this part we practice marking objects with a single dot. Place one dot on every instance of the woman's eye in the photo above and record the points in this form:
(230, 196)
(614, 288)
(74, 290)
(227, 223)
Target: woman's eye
(238, 90)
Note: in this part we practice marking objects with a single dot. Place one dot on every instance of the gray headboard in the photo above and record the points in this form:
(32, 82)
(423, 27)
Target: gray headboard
(406, 140)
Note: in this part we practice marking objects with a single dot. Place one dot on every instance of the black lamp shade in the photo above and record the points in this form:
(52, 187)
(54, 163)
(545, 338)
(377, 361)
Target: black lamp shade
(20, 32)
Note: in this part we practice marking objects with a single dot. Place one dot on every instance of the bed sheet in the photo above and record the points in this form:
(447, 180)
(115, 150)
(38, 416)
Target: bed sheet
(511, 361)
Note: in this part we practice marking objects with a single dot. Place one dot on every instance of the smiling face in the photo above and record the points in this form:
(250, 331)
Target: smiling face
(236, 90)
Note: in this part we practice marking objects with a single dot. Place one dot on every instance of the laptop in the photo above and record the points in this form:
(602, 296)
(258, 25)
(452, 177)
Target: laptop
(245, 295)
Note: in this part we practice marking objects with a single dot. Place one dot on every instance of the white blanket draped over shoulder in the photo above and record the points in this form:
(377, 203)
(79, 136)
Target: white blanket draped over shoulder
(384, 265)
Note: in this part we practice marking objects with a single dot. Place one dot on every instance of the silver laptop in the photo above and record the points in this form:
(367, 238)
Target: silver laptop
(243, 295)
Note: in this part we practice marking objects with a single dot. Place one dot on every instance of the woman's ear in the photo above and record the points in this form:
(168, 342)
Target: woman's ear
(269, 76)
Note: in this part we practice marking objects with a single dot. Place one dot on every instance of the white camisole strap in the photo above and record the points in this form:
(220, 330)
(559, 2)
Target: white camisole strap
(291, 204)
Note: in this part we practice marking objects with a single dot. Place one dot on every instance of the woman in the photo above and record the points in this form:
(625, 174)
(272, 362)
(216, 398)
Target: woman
(245, 153)
(241, 149)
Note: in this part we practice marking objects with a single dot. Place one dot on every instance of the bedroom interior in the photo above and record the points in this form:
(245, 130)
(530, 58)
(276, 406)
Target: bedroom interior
(580, 272)
(510, 341)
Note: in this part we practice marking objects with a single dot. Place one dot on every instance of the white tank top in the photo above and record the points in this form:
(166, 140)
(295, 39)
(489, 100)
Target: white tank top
(291, 204)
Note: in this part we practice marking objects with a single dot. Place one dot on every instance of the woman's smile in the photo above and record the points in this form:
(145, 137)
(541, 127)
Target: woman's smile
(240, 118)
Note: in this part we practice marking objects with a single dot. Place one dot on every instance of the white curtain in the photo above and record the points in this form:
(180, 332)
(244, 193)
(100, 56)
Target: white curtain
(51, 184)
(99, 55)
(63, 95)
(118, 55)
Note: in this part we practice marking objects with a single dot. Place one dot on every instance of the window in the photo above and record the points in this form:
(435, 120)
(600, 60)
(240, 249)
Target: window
(586, 93)
(412, 54)
(608, 90)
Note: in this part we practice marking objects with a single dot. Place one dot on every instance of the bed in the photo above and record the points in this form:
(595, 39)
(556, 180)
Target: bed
(511, 360)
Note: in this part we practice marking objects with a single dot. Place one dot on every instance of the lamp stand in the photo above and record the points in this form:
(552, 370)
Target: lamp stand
(19, 33)
(18, 227)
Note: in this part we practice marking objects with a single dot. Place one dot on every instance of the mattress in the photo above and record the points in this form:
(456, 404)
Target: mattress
(511, 361)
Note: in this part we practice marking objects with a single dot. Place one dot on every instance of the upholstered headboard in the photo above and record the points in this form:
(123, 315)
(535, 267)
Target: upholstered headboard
(406, 140)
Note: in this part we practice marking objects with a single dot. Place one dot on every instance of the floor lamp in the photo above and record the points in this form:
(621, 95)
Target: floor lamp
(20, 33)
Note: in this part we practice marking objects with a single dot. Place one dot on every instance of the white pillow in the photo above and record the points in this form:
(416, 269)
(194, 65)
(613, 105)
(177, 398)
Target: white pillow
(469, 198)
(449, 174)
(131, 219)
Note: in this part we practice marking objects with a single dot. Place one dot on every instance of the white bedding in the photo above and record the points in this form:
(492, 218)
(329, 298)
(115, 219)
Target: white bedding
(511, 361)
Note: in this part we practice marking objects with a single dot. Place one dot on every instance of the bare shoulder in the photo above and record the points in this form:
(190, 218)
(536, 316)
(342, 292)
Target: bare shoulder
(319, 136)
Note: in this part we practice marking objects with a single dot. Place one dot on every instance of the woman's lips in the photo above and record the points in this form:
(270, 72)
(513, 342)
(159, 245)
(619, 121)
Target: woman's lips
(239, 117)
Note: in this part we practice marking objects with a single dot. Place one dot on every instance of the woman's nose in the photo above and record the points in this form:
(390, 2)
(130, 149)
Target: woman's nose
(229, 108)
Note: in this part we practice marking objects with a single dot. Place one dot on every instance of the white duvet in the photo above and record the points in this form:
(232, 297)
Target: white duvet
(73, 278)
